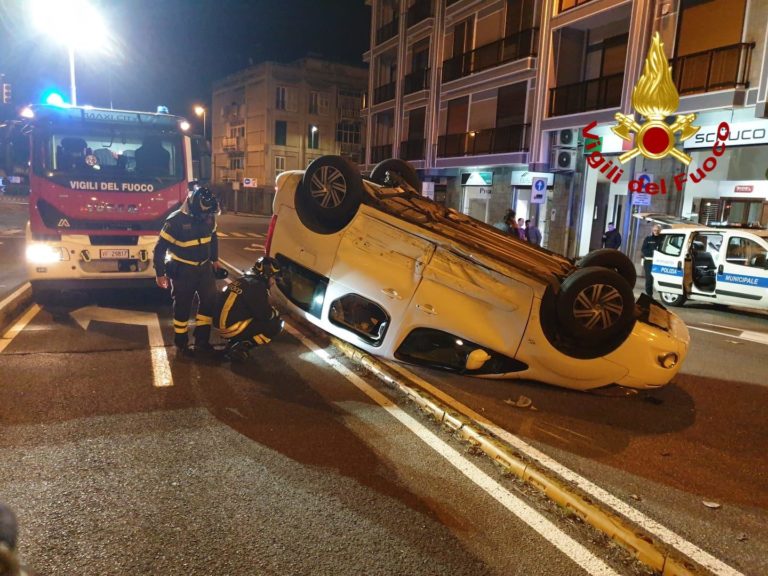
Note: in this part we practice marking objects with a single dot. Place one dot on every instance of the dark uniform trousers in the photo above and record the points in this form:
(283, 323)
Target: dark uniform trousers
(185, 282)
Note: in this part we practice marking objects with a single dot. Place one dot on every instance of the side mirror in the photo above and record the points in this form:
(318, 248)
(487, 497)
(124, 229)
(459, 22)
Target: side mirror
(476, 359)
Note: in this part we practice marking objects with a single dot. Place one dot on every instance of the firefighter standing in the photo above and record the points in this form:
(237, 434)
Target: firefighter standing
(244, 315)
(189, 237)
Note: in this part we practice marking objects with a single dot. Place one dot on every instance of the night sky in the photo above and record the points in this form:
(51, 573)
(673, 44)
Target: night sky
(171, 51)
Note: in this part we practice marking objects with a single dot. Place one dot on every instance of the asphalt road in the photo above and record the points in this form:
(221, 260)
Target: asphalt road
(284, 466)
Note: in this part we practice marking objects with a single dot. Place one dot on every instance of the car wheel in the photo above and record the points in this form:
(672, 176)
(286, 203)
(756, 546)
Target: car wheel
(329, 194)
(383, 174)
(672, 299)
(595, 304)
(612, 259)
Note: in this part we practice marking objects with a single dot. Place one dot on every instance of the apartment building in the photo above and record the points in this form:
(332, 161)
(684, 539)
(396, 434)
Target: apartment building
(274, 117)
(489, 98)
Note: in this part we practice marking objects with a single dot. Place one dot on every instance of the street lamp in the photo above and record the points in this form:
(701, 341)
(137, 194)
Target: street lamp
(75, 23)
(200, 111)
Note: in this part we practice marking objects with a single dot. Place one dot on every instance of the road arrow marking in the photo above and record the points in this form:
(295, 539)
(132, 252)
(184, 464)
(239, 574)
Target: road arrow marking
(161, 368)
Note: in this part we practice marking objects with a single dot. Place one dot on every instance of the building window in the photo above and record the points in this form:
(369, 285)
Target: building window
(313, 137)
(280, 98)
(348, 132)
(236, 163)
(236, 131)
(314, 102)
(281, 132)
(279, 165)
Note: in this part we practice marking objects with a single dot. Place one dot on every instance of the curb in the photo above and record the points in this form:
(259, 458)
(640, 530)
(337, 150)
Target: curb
(645, 548)
(13, 304)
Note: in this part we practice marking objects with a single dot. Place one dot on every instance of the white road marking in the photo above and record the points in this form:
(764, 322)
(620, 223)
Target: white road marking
(20, 324)
(237, 234)
(254, 248)
(750, 335)
(161, 368)
(661, 532)
(567, 545)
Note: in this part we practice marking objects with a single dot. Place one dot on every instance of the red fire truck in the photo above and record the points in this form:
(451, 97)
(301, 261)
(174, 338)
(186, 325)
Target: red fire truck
(101, 184)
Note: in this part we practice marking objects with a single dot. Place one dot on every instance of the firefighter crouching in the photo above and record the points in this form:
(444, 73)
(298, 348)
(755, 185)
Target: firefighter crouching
(189, 238)
(244, 315)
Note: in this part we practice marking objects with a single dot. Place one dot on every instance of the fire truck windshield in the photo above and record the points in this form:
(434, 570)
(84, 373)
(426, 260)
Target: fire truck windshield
(131, 155)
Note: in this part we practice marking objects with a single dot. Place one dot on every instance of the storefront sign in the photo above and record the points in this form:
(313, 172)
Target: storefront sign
(755, 188)
(525, 178)
(743, 188)
(743, 133)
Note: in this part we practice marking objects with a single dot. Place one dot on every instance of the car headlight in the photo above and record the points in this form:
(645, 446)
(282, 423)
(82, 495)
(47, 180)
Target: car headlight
(669, 360)
(43, 254)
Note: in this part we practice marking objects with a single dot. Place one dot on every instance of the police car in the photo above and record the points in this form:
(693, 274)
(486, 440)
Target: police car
(710, 264)
(373, 262)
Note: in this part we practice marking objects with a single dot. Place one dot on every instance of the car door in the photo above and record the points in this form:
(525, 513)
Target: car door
(461, 304)
(742, 277)
(670, 264)
(378, 267)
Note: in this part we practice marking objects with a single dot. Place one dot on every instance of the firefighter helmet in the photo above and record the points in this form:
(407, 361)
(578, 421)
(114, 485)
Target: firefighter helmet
(202, 202)
(266, 267)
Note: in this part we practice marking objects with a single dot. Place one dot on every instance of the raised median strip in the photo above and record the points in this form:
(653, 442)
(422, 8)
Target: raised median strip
(644, 547)
(12, 305)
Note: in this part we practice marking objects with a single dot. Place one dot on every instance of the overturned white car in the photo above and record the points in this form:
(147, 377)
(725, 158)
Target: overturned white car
(375, 263)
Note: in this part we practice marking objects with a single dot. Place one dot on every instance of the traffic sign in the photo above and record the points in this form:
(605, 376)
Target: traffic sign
(641, 199)
(538, 190)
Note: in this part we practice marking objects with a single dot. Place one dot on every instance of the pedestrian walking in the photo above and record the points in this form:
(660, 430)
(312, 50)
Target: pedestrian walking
(521, 229)
(612, 238)
(532, 232)
(189, 238)
(651, 243)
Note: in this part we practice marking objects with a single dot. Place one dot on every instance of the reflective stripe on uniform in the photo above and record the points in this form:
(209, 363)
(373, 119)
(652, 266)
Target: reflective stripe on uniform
(228, 303)
(180, 326)
(261, 339)
(185, 243)
(203, 320)
(190, 262)
(235, 329)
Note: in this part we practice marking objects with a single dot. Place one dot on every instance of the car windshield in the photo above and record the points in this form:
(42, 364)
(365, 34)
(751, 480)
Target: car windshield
(114, 153)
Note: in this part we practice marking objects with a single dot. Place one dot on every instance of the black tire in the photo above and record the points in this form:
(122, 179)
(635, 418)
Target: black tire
(672, 299)
(329, 194)
(612, 259)
(595, 304)
(382, 174)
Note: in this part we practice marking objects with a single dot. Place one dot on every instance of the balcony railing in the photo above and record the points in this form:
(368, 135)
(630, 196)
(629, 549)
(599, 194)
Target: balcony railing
(389, 30)
(491, 141)
(232, 144)
(716, 69)
(379, 153)
(584, 96)
(565, 5)
(519, 45)
(412, 149)
(416, 80)
(421, 10)
(384, 92)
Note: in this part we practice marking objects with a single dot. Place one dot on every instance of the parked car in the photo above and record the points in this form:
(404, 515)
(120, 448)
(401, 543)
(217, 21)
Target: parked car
(710, 264)
(373, 262)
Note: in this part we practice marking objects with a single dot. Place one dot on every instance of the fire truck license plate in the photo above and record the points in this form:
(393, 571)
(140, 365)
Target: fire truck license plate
(114, 253)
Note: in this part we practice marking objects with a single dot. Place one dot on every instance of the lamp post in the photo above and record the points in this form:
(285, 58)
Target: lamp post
(76, 23)
(200, 111)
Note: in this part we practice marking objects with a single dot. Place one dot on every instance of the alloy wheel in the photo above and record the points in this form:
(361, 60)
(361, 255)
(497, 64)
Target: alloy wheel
(598, 307)
(328, 187)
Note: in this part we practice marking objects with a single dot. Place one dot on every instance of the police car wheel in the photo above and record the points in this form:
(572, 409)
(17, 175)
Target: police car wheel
(672, 299)
(388, 172)
(329, 194)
